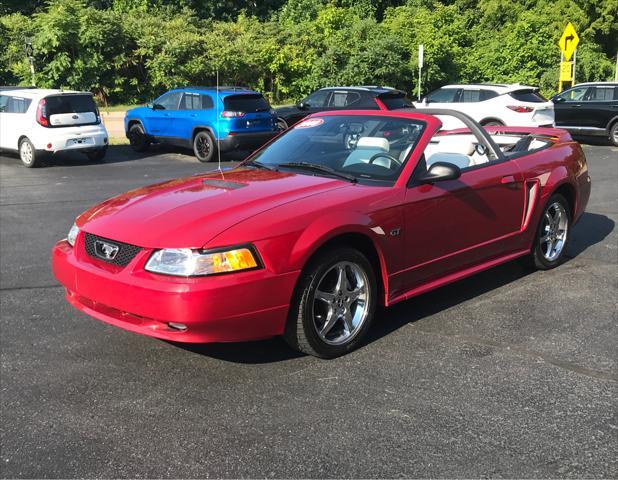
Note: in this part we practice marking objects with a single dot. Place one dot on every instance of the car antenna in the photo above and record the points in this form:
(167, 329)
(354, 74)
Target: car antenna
(218, 125)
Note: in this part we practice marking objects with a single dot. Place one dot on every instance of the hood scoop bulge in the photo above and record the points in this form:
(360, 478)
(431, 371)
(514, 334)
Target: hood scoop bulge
(223, 184)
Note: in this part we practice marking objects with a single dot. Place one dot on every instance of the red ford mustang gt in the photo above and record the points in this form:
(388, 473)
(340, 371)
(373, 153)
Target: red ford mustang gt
(342, 213)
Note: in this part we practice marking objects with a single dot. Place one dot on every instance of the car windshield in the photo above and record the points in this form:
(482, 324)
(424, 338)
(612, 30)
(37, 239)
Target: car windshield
(357, 147)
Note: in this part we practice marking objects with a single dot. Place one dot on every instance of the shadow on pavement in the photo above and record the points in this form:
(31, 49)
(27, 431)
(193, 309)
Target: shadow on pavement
(591, 228)
(592, 140)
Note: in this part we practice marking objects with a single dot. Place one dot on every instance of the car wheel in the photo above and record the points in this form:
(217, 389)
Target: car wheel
(333, 305)
(282, 125)
(96, 155)
(137, 138)
(552, 236)
(204, 146)
(613, 134)
(28, 154)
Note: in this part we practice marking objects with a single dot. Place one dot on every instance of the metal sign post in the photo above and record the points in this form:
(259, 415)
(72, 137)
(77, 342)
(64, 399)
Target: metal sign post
(30, 55)
(421, 53)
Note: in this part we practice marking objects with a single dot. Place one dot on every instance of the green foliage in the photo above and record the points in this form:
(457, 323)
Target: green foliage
(132, 50)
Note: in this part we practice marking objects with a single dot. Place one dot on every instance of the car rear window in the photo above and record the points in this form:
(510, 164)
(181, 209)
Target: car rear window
(528, 96)
(58, 104)
(393, 101)
(246, 103)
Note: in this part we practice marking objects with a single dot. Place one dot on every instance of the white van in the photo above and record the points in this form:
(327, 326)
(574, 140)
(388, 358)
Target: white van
(38, 123)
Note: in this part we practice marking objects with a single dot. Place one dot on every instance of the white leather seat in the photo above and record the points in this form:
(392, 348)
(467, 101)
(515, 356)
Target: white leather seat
(367, 147)
(455, 149)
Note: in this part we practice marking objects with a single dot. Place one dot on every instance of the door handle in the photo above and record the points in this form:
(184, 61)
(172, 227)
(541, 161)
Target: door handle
(193, 115)
(576, 106)
(507, 179)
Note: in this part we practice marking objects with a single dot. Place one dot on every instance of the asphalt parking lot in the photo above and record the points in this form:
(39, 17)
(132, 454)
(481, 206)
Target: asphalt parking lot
(510, 373)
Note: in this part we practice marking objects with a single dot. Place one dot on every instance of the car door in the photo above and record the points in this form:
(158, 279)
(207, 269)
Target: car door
(601, 106)
(568, 107)
(158, 119)
(13, 120)
(187, 116)
(456, 224)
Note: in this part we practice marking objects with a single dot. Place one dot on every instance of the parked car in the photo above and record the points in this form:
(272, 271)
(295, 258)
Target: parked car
(342, 98)
(204, 119)
(342, 213)
(494, 104)
(38, 122)
(589, 109)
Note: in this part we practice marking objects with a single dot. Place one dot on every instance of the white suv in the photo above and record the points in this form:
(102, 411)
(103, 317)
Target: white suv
(494, 104)
(39, 122)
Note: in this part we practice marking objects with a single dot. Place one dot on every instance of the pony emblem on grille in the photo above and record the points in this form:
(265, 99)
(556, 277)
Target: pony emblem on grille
(105, 250)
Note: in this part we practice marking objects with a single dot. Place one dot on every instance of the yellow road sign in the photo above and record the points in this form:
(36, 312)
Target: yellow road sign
(566, 71)
(569, 41)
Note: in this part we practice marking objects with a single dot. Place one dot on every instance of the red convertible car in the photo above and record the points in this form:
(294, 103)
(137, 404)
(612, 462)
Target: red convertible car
(344, 212)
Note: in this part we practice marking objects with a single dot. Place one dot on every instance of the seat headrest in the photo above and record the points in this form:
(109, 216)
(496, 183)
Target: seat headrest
(455, 144)
(367, 143)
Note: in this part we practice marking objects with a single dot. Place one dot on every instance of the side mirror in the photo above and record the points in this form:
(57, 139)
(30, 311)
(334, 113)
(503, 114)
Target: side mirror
(425, 101)
(557, 99)
(302, 105)
(480, 149)
(150, 105)
(440, 172)
(156, 106)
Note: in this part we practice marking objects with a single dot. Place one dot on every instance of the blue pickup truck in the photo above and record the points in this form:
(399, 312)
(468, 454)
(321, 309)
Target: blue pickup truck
(204, 119)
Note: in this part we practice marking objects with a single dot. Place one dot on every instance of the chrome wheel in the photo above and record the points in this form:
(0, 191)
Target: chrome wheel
(554, 231)
(614, 135)
(282, 125)
(25, 152)
(341, 303)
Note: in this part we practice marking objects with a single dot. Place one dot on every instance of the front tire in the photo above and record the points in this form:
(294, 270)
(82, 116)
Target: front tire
(613, 134)
(282, 125)
(552, 235)
(137, 138)
(29, 155)
(204, 147)
(96, 155)
(333, 305)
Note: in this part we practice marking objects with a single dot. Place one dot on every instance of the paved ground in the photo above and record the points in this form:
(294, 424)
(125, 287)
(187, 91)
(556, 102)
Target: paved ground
(508, 374)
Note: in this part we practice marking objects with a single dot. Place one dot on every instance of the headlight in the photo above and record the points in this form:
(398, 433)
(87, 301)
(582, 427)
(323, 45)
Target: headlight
(72, 235)
(185, 262)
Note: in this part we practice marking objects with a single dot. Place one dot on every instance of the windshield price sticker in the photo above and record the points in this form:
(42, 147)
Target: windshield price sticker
(310, 123)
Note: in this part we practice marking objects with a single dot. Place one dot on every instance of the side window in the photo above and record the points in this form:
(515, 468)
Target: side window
(600, 94)
(207, 102)
(190, 101)
(575, 94)
(470, 96)
(443, 95)
(4, 100)
(487, 94)
(353, 98)
(317, 99)
(169, 101)
(338, 99)
(18, 105)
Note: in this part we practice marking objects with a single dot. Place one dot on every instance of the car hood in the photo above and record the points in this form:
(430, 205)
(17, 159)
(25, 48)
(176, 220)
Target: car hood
(188, 212)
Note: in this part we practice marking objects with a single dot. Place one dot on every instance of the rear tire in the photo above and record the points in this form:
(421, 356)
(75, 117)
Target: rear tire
(282, 125)
(333, 305)
(96, 155)
(204, 147)
(613, 134)
(552, 234)
(29, 156)
(137, 138)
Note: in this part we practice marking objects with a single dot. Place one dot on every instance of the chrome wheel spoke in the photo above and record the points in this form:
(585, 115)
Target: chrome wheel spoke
(325, 296)
(348, 321)
(331, 319)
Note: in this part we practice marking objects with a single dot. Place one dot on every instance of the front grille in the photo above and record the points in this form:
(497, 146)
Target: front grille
(126, 252)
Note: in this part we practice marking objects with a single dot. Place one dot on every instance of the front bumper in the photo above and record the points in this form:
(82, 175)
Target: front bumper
(225, 308)
(245, 141)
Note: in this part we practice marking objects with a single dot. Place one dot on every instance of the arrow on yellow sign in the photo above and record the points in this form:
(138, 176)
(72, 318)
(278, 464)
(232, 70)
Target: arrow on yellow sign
(569, 41)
